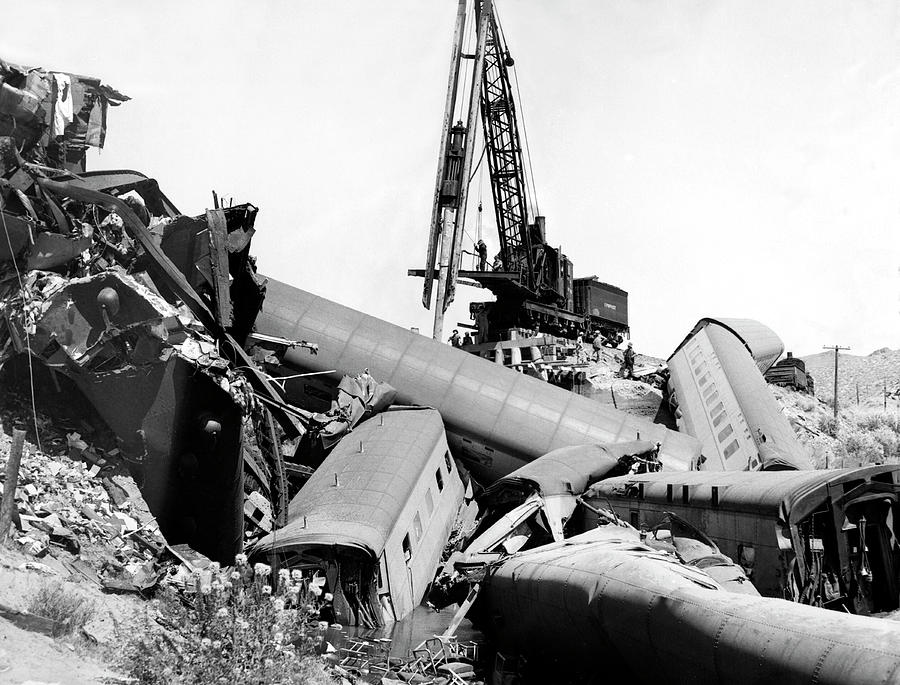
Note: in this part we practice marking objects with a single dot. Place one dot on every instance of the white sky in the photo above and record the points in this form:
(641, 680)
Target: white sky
(717, 158)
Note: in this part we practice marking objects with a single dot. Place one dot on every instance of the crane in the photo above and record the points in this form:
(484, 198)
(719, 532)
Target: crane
(531, 280)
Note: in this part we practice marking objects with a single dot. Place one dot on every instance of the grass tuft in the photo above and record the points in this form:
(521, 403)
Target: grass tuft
(69, 611)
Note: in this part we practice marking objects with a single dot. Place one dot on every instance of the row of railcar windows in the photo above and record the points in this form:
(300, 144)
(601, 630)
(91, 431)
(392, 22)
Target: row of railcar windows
(717, 414)
(429, 504)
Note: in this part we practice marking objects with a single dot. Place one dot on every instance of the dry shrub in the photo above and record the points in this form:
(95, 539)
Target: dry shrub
(68, 610)
(240, 626)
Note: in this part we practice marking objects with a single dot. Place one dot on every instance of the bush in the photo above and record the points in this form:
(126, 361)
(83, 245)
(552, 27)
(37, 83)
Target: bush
(806, 404)
(828, 425)
(861, 446)
(889, 441)
(69, 611)
(237, 628)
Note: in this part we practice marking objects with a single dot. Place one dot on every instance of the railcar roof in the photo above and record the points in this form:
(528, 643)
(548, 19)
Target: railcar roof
(744, 490)
(373, 484)
(760, 340)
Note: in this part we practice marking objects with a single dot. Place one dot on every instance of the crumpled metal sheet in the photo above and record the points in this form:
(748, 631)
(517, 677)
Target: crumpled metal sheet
(54, 116)
(569, 470)
(358, 396)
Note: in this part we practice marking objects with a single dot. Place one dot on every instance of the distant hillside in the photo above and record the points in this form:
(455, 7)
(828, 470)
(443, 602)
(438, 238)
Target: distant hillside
(868, 372)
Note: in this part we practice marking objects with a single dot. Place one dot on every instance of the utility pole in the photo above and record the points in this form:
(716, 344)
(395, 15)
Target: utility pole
(836, 348)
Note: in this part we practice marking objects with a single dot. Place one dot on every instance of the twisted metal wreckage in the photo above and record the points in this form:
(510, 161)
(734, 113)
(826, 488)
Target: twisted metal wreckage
(150, 317)
(147, 313)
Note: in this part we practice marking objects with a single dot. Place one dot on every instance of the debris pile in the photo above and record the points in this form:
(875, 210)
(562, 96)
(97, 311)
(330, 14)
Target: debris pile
(51, 117)
(145, 312)
(81, 516)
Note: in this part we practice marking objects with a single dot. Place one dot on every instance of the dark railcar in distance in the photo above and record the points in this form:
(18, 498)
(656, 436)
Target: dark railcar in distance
(604, 306)
(790, 372)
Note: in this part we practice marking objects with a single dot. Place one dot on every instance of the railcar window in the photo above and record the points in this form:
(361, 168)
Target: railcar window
(703, 380)
(712, 398)
(731, 449)
(700, 368)
(715, 410)
(725, 432)
(711, 389)
(718, 419)
(449, 460)
(417, 526)
(429, 502)
(407, 548)
(439, 479)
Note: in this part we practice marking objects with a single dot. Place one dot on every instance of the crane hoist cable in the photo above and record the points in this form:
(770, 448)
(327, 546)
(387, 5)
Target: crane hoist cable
(521, 115)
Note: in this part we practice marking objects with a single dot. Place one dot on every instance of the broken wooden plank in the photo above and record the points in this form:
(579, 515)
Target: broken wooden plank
(218, 257)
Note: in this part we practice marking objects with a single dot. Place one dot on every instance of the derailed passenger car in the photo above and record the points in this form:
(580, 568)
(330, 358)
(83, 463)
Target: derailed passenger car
(596, 605)
(497, 419)
(541, 503)
(718, 395)
(375, 516)
(826, 538)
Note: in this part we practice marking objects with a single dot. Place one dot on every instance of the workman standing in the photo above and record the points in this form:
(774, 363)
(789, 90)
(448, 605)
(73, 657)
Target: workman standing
(454, 339)
(597, 344)
(628, 365)
(467, 339)
(481, 251)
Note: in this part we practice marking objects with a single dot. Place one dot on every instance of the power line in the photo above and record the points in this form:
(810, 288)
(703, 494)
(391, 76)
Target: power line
(37, 436)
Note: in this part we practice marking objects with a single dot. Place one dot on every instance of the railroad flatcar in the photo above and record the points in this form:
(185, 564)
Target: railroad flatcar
(375, 516)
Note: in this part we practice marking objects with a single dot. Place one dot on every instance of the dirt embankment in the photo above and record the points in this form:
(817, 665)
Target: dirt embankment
(50, 567)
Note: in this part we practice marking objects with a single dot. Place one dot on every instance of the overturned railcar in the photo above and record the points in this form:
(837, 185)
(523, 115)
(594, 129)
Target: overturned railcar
(497, 419)
(826, 538)
(591, 610)
(719, 396)
(375, 516)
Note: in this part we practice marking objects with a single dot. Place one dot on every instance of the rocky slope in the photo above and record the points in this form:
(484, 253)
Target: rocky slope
(871, 374)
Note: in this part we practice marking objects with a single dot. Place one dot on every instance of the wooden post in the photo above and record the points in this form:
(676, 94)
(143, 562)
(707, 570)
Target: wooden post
(8, 503)
(836, 348)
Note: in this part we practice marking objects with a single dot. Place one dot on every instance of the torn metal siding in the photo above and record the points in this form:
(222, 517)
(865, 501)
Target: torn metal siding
(569, 470)
(54, 116)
